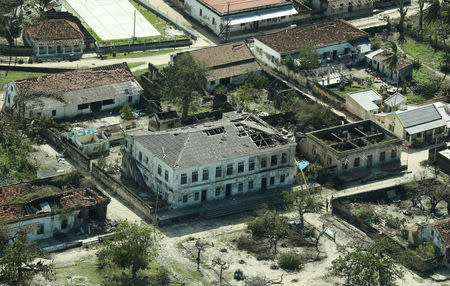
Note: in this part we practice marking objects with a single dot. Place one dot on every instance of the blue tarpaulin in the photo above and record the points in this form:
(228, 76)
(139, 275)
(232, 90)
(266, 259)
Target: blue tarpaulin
(303, 164)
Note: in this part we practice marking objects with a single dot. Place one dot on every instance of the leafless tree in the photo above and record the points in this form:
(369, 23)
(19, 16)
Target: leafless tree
(200, 245)
(223, 265)
(403, 11)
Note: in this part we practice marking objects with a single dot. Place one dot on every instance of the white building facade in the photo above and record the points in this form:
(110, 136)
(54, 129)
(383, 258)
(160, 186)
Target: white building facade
(259, 169)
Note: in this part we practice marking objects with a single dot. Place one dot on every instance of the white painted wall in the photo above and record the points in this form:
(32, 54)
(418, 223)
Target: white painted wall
(173, 191)
(51, 223)
(266, 54)
(193, 7)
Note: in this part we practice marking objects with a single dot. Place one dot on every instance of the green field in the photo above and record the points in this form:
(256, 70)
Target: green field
(347, 89)
(424, 53)
(16, 75)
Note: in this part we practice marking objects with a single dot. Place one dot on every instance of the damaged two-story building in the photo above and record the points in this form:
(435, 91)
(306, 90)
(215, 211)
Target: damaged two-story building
(42, 209)
(237, 154)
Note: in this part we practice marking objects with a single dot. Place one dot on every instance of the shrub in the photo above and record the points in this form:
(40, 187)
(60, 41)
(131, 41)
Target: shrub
(365, 212)
(114, 54)
(39, 60)
(20, 61)
(30, 60)
(239, 275)
(162, 277)
(246, 242)
(416, 63)
(393, 222)
(375, 43)
(290, 261)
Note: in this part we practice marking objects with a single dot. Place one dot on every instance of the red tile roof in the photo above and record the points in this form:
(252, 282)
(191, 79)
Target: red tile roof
(222, 5)
(315, 35)
(76, 198)
(60, 83)
(57, 32)
(401, 62)
(226, 60)
(443, 226)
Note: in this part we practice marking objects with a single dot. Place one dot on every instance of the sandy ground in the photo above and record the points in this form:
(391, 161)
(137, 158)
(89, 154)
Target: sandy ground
(49, 165)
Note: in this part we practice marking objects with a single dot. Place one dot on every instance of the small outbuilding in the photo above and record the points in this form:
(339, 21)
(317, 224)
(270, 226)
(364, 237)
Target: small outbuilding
(363, 103)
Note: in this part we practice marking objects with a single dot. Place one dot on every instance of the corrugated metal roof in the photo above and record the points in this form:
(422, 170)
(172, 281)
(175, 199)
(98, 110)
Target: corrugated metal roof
(366, 98)
(394, 99)
(419, 116)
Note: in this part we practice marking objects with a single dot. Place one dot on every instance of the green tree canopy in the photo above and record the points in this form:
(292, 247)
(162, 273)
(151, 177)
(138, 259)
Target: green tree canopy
(134, 246)
(366, 265)
(18, 259)
(308, 58)
(182, 82)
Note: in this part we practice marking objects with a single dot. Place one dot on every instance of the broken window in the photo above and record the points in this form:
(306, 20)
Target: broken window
(214, 131)
(240, 187)
(250, 185)
(263, 163)
(241, 167)
(282, 178)
(272, 180)
(166, 175)
(53, 112)
(393, 153)
(205, 174)
(229, 169)
(40, 229)
(108, 102)
(283, 158)
(83, 106)
(159, 170)
(146, 160)
(140, 156)
(183, 179)
(217, 192)
(382, 156)
(218, 171)
(356, 162)
(345, 164)
(273, 160)
(194, 176)
(185, 199)
(196, 196)
(130, 99)
(251, 164)
(64, 224)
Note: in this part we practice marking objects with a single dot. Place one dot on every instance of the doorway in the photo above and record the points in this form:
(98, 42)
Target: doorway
(263, 184)
(96, 106)
(228, 190)
(203, 195)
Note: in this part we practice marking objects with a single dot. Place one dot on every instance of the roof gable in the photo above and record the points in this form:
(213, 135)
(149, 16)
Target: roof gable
(57, 31)
(315, 35)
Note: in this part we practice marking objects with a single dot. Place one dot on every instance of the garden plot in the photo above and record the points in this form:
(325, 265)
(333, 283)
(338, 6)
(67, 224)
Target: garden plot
(113, 19)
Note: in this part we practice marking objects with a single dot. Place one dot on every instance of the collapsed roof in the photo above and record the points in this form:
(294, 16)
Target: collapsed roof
(354, 136)
(233, 136)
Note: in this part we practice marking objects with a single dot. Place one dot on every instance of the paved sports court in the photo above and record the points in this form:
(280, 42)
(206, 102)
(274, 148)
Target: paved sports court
(113, 19)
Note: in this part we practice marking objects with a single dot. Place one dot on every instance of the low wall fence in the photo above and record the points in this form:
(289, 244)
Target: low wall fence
(21, 51)
(165, 15)
(107, 49)
(33, 69)
(122, 191)
(68, 149)
(330, 95)
(415, 262)
(295, 76)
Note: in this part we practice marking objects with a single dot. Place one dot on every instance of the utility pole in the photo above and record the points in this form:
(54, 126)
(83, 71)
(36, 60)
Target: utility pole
(134, 26)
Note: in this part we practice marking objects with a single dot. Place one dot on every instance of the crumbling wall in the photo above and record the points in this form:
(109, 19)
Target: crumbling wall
(122, 191)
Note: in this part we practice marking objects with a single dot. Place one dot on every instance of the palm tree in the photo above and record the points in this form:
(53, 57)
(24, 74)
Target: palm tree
(391, 62)
(402, 10)
(421, 5)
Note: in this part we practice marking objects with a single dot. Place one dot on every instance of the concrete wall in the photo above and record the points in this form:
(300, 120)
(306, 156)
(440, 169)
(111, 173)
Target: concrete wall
(122, 191)
(355, 108)
(49, 223)
(310, 148)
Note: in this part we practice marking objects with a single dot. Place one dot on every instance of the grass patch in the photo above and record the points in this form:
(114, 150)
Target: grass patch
(86, 269)
(148, 53)
(133, 65)
(34, 195)
(16, 75)
(189, 276)
(93, 33)
(160, 24)
(425, 53)
(348, 89)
